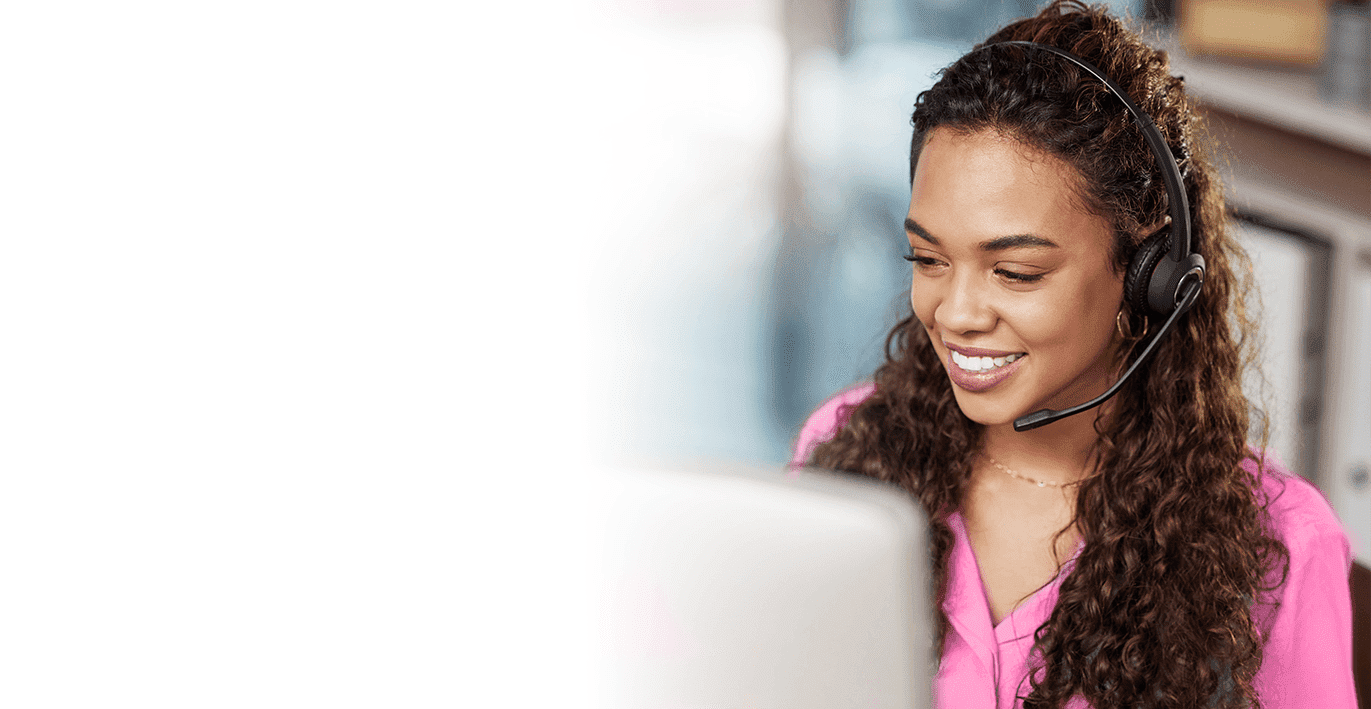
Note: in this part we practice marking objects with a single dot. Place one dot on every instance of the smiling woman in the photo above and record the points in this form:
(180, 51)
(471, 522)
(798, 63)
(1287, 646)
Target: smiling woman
(1146, 554)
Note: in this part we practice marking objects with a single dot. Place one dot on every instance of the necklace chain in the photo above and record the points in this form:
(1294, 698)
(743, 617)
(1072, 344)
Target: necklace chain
(1039, 483)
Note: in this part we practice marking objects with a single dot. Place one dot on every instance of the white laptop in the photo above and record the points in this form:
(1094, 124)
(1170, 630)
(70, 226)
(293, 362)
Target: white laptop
(758, 588)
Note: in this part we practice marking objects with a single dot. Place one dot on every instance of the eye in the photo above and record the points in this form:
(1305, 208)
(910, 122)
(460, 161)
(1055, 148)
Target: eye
(1018, 277)
(922, 261)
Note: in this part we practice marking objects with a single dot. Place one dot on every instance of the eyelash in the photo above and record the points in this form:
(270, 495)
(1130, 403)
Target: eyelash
(1011, 275)
(1020, 277)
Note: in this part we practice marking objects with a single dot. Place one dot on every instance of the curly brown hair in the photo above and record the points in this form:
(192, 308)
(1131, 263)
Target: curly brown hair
(1159, 610)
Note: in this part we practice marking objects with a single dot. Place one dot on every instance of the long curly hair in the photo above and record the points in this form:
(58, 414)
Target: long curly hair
(1161, 608)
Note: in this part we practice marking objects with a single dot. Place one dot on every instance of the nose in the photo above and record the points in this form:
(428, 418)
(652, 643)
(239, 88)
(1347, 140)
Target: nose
(963, 307)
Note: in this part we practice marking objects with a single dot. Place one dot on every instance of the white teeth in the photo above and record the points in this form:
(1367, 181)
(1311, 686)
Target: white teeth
(981, 364)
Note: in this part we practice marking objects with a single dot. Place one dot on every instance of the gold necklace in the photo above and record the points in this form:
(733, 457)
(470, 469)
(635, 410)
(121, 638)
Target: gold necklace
(1039, 483)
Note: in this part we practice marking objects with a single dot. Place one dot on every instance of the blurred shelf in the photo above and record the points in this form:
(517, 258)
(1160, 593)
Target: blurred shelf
(1287, 99)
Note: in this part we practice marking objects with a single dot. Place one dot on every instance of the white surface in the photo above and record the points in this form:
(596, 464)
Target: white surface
(746, 588)
(294, 313)
(681, 246)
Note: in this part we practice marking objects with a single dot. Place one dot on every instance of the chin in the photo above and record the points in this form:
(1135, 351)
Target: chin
(984, 412)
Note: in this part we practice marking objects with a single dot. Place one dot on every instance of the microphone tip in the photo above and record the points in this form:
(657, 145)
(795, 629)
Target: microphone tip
(1034, 420)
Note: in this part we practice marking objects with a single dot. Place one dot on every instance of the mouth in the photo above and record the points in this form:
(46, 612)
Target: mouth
(977, 370)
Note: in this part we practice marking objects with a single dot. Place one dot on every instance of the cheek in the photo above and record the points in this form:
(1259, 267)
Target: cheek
(1061, 326)
(923, 303)
(1100, 309)
(1038, 325)
(1075, 329)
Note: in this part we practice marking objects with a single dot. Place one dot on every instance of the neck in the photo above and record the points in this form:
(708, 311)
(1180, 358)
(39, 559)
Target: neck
(1060, 452)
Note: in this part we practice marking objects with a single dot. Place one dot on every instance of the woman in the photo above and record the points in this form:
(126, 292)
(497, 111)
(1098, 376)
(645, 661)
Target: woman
(1139, 554)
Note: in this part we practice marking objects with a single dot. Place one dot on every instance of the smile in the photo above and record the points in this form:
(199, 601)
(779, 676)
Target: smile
(981, 364)
(975, 370)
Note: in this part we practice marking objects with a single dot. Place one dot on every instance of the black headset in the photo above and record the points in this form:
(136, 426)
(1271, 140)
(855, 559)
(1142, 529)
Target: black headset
(1164, 276)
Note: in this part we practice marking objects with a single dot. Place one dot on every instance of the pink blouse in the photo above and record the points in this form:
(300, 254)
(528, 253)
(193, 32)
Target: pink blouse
(1308, 652)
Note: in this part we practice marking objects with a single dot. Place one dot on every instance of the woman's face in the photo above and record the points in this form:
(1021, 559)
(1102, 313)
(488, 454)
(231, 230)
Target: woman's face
(1009, 267)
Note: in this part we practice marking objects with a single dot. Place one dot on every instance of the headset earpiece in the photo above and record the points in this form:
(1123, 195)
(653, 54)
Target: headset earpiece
(1167, 288)
(1153, 283)
(1138, 279)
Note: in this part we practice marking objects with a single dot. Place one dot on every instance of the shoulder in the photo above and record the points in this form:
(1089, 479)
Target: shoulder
(826, 420)
(1301, 516)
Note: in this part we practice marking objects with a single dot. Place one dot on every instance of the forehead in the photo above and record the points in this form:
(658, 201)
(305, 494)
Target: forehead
(984, 185)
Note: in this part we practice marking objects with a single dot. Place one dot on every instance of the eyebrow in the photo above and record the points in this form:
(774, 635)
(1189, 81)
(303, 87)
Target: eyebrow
(1001, 243)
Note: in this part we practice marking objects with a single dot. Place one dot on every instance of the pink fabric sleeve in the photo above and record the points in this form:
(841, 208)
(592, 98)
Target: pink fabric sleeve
(827, 420)
(1307, 661)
